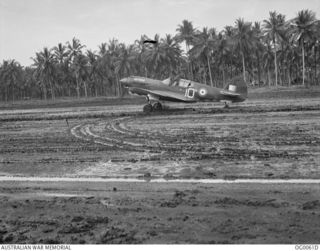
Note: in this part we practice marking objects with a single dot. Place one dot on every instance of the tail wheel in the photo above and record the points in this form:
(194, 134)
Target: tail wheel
(147, 108)
(157, 106)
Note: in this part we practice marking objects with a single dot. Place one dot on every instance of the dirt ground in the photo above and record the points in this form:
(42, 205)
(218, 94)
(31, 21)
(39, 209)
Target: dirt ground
(267, 137)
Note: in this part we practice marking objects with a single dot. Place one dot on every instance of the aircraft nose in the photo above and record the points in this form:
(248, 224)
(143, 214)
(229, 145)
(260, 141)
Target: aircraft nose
(124, 81)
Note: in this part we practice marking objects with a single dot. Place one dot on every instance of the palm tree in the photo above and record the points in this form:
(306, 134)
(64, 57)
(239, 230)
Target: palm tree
(186, 33)
(75, 50)
(105, 67)
(304, 27)
(60, 53)
(267, 59)
(243, 40)
(30, 83)
(316, 48)
(141, 56)
(10, 76)
(93, 70)
(274, 31)
(62, 58)
(155, 57)
(172, 55)
(45, 70)
(229, 33)
(79, 68)
(113, 52)
(204, 43)
(223, 48)
(4, 78)
(125, 62)
(258, 47)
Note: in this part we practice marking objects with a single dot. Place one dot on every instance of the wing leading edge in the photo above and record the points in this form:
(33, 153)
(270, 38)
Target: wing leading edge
(166, 95)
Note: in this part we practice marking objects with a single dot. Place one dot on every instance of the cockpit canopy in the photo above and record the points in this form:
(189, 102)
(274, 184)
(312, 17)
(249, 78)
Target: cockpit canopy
(180, 82)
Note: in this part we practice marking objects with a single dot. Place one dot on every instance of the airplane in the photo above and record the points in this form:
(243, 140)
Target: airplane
(183, 90)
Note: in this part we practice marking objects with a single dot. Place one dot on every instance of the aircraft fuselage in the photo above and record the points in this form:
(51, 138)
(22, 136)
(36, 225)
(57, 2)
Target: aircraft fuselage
(191, 91)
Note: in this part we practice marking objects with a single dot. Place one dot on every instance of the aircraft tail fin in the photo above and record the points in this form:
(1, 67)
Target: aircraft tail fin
(237, 85)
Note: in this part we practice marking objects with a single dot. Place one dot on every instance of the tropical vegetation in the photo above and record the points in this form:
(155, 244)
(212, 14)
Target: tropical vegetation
(277, 51)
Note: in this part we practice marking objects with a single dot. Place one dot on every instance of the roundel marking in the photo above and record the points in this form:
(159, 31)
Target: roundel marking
(203, 92)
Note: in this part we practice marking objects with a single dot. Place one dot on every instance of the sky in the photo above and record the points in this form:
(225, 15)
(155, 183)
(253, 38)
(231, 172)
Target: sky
(27, 26)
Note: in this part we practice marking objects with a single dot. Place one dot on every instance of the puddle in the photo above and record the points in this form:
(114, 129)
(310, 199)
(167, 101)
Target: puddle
(63, 195)
(130, 180)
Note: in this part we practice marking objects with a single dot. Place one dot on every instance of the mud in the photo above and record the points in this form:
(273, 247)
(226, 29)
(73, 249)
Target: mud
(275, 139)
(117, 213)
(194, 144)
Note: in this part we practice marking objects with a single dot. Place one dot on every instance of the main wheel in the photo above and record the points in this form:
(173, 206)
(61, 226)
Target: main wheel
(157, 106)
(226, 105)
(147, 108)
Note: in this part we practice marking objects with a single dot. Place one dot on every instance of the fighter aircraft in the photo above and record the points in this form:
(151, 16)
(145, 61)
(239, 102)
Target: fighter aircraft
(182, 90)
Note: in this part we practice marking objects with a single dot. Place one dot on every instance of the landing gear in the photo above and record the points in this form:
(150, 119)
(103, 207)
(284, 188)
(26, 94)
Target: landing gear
(147, 108)
(226, 105)
(157, 107)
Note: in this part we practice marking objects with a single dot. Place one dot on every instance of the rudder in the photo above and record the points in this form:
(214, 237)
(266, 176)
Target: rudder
(237, 85)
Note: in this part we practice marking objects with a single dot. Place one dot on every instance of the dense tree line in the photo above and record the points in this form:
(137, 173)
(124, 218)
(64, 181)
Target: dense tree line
(274, 52)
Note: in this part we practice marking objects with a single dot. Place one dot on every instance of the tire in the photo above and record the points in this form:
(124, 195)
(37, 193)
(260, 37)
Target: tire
(157, 107)
(147, 108)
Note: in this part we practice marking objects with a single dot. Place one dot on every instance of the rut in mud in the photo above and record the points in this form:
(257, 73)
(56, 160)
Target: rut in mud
(262, 140)
(258, 139)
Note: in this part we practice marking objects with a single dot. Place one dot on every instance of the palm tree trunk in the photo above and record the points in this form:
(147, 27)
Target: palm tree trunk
(44, 91)
(259, 70)
(303, 66)
(231, 68)
(146, 71)
(118, 85)
(275, 65)
(12, 93)
(243, 67)
(288, 73)
(78, 87)
(204, 77)
(85, 89)
(52, 90)
(223, 75)
(189, 63)
(210, 75)
(315, 65)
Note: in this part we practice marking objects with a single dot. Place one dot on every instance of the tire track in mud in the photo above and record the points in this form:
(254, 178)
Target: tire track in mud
(234, 136)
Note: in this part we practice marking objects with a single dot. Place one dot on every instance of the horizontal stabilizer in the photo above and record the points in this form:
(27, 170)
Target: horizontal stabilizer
(229, 93)
(236, 88)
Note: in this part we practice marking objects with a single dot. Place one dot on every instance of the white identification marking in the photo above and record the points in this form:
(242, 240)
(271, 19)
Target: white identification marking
(203, 92)
(232, 88)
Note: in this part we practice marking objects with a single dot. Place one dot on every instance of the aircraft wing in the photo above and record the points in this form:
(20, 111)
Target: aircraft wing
(167, 95)
(229, 93)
